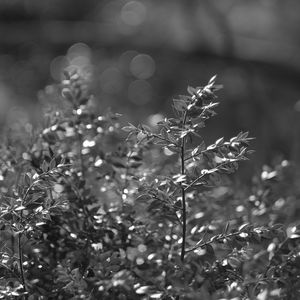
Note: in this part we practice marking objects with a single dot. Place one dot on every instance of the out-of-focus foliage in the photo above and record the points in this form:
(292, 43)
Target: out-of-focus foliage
(87, 213)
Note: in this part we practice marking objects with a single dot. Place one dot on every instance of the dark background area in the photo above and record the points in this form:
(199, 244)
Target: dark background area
(141, 54)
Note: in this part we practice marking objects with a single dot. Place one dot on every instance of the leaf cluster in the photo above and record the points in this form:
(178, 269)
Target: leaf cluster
(87, 213)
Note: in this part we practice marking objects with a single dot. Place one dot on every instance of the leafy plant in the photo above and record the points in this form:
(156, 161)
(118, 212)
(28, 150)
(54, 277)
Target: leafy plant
(87, 212)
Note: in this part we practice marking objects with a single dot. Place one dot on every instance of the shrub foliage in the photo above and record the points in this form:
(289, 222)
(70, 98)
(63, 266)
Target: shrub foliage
(91, 210)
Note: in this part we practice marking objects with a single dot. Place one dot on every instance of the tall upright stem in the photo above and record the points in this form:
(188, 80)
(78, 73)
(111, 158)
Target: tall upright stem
(20, 250)
(183, 192)
(183, 207)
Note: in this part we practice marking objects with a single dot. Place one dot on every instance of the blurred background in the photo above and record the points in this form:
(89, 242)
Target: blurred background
(141, 54)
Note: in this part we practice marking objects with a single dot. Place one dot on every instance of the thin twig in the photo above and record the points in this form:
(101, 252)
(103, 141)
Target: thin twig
(204, 174)
(183, 199)
(221, 237)
(20, 250)
(163, 139)
(194, 181)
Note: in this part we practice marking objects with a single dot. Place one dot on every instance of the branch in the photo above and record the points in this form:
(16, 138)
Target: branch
(221, 237)
(161, 138)
(204, 174)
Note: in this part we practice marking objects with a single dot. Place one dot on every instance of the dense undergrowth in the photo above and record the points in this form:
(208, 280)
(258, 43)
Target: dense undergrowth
(91, 210)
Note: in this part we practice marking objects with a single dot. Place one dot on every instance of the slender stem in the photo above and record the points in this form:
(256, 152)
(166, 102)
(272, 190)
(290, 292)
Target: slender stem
(204, 174)
(21, 264)
(163, 139)
(194, 181)
(183, 209)
(183, 199)
(20, 250)
(219, 238)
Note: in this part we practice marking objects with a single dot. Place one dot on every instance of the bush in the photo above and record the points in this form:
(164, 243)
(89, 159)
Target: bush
(92, 211)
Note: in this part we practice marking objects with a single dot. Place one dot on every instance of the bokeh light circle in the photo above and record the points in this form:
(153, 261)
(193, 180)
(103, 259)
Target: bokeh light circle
(79, 49)
(142, 66)
(133, 13)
